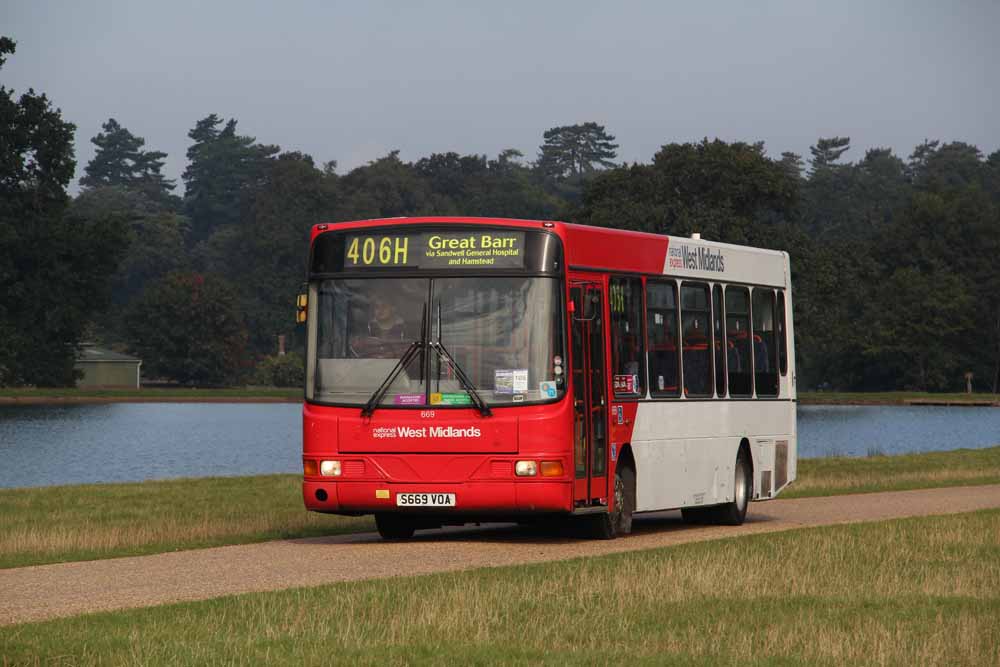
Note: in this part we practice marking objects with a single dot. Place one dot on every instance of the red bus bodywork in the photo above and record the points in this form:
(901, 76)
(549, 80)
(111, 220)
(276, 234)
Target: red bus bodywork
(479, 471)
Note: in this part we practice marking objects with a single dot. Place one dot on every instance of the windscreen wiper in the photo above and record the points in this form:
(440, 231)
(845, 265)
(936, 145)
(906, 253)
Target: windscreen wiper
(379, 394)
(463, 379)
(415, 347)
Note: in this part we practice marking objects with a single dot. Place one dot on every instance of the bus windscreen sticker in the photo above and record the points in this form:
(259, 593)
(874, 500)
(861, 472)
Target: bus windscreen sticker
(510, 380)
(626, 384)
(450, 399)
(547, 389)
(489, 249)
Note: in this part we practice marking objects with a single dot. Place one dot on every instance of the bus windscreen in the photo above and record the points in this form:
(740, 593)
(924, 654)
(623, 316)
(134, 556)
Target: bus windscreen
(504, 332)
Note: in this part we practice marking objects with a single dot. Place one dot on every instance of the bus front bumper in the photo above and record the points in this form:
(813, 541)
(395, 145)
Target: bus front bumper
(471, 497)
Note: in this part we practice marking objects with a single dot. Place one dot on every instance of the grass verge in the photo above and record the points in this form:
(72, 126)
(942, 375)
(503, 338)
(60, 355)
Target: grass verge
(891, 398)
(64, 523)
(68, 523)
(840, 475)
(914, 591)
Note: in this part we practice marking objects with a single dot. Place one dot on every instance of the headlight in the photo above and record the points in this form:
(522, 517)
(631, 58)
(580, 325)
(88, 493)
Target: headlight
(525, 468)
(329, 468)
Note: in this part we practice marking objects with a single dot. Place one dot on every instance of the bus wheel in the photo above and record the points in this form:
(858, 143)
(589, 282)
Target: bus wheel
(394, 526)
(619, 521)
(696, 514)
(734, 513)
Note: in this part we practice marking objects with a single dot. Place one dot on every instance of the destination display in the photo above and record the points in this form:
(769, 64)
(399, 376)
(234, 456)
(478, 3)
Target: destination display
(464, 249)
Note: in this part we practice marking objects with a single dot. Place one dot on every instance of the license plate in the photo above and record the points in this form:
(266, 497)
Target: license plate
(425, 499)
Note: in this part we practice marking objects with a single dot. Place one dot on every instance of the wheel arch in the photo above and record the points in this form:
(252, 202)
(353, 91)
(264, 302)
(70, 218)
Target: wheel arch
(747, 450)
(626, 457)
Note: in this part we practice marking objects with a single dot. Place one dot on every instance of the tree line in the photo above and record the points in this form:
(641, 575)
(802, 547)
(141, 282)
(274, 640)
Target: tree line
(895, 261)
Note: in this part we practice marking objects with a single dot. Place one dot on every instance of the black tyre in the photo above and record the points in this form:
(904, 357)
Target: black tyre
(735, 512)
(696, 515)
(394, 526)
(618, 521)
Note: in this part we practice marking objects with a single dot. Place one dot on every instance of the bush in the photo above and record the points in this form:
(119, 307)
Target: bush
(281, 371)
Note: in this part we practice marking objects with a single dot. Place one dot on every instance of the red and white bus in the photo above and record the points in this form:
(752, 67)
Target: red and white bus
(475, 369)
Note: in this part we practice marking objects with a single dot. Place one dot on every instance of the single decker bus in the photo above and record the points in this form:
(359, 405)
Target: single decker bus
(474, 369)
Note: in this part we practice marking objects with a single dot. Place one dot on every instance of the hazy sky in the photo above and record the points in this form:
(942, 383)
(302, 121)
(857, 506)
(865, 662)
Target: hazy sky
(350, 81)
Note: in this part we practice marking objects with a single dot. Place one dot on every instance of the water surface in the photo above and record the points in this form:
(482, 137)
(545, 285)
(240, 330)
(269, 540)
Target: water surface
(42, 445)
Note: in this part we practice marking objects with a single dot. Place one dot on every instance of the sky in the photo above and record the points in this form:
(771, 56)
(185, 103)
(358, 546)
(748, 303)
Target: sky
(351, 81)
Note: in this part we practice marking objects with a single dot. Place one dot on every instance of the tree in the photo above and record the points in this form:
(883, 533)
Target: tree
(826, 152)
(121, 161)
(576, 150)
(827, 195)
(155, 237)
(188, 327)
(55, 268)
(265, 257)
(388, 187)
(793, 164)
(223, 166)
(712, 187)
(919, 338)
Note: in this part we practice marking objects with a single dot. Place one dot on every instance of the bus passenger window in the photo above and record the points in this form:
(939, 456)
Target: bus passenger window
(718, 341)
(627, 353)
(661, 329)
(765, 358)
(782, 335)
(695, 323)
(738, 353)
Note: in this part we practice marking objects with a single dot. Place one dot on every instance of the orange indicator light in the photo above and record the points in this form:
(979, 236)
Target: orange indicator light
(309, 467)
(552, 469)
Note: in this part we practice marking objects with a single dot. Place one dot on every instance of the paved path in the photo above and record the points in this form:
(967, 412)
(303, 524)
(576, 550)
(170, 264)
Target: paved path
(50, 591)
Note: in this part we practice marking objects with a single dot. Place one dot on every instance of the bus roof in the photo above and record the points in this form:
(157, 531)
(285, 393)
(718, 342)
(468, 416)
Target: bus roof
(605, 249)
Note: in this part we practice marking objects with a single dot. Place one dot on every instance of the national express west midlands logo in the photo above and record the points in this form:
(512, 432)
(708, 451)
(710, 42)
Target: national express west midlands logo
(381, 432)
(696, 258)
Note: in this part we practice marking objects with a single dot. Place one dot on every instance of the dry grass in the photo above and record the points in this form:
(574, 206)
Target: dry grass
(104, 520)
(54, 524)
(838, 475)
(918, 591)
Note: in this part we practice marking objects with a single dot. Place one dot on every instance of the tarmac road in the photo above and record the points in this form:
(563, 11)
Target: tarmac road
(66, 589)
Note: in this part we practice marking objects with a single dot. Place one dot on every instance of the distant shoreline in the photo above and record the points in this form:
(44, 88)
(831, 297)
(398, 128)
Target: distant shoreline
(76, 400)
(75, 397)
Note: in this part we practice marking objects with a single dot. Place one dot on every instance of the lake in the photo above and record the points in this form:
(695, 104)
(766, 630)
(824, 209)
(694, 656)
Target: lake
(43, 445)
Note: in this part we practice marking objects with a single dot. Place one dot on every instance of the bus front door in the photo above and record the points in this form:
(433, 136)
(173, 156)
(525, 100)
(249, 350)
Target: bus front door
(589, 394)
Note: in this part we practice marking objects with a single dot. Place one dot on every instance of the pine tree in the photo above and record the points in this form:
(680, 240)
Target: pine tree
(576, 150)
(121, 161)
(827, 151)
(222, 165)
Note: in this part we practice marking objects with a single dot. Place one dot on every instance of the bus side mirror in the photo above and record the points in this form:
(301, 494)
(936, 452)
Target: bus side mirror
(301, 303)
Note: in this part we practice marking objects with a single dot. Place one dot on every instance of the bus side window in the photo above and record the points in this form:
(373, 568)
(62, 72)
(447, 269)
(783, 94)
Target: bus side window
(738, 352)
(661, 329)
(625, 299)
(765, 358)
(782, 335)
(719, 341)
(695, 318)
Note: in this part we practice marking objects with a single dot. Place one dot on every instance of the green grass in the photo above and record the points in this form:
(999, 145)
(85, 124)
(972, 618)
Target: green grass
(889, 397)
(915, 591)
(150, 393)
(68, 523)
(839, 475)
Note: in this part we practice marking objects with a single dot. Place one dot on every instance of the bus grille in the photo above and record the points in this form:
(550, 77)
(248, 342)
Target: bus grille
(500, 469)
(354, 468)
(780, 463)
